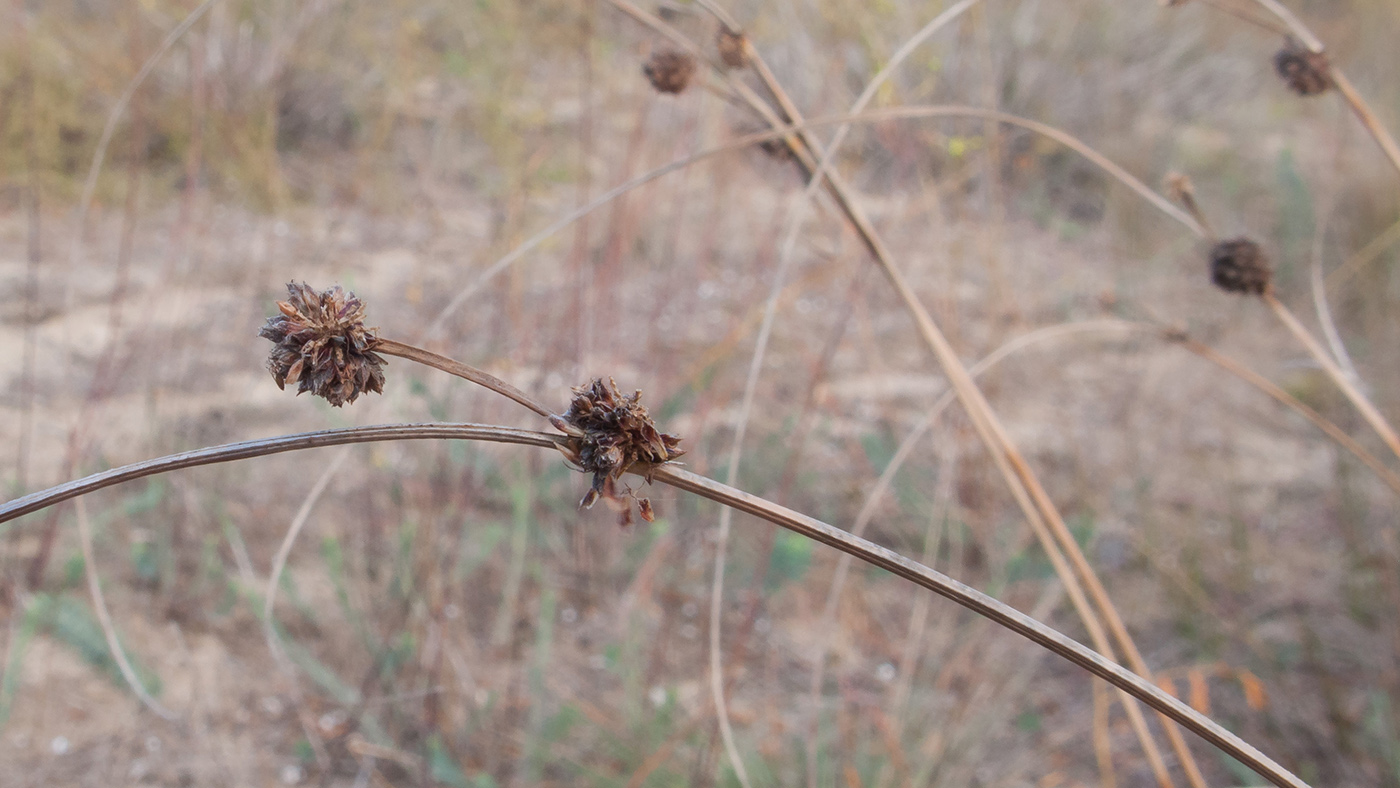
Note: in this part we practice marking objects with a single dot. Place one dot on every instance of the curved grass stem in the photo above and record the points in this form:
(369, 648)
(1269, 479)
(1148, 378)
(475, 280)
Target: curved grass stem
(783, 131)
(1359, 400)
(453, 367)
(675, 476)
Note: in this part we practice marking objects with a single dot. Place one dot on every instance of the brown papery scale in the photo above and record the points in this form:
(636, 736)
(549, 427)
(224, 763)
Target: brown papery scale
(321, 344)
(611, 433)
(732, 47)
(1239, 266)
(1305, 71)
(669, 71)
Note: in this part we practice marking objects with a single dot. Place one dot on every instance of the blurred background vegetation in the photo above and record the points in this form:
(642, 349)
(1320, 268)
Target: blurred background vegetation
(449, 617)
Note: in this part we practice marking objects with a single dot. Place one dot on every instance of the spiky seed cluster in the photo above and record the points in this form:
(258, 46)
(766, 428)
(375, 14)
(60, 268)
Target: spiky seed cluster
(669, 71)
(322, 345)
(611, 433)
(1305, 71)
(1239, 266)
(731, 46)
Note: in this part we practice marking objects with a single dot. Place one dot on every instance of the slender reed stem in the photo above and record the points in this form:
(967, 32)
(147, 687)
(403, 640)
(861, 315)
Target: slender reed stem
(675, 476)
(262, 447)
(1359, 400)
(104, 619)
(1358, 105)
(453, 367)
(100, 154)
(784, 131)
(1391, 479)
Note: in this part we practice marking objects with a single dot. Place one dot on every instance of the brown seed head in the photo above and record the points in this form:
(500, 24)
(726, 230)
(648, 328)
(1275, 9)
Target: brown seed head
(611, 433)
(322, 345)
(1306, 72)
(669, 71)
(1239, 266)
(733, 47)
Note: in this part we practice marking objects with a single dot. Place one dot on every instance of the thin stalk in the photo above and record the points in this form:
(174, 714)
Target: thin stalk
(1386, 475)
(1024, 481)
(104, 619)
(1339, 275)
(453, 367)
(1353, 99)
(99, 155)
(795, 223)
(1359, 400)
(264, 446)
(274, 580)
(782, 132)
(986, 606)
(675, 476)
(1024, 486)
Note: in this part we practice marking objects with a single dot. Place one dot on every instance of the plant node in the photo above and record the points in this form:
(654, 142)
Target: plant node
(1306, 72)
(1239, 266)
(610, 434)
(669, 71)
(733, 47)
(322, 345)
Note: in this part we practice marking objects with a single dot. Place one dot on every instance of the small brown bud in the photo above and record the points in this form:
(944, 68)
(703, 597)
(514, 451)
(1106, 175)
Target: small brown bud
(733, 47)
(1239, 266)
(669, 71)
(1179, 187)
(322, 345)
(611, 433)
(1306, 72)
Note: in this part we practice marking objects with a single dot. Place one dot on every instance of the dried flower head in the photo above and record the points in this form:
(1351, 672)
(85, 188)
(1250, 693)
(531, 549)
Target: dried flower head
(1305, 71)
(1239, 266)
(322, 345)
(610, 433)
(669, 70)
(733, 47)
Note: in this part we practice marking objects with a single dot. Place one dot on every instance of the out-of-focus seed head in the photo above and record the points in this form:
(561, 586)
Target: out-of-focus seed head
(1239, 266)
(320, 343)
(1306, 72)
(611, 433)
(733, 47)
(669, 70)
(1179, 187)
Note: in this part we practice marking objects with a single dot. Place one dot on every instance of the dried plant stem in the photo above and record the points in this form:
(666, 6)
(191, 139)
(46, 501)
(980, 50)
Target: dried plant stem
(984, 605)
(115, 115)
(390, 347)
(905, 449)
(1035, 503)
(1294, 25)
(1103, 744)
(1339, 275)
(1324, 310)
(974, 600)
(740, 143)
(1268, 24)
(1366, 115)
(104, 619)
(1025, 487)
(1359, 400)
(1386, 475)
(999, 443)
(1358, 104)
(33, 258)
(274, 579)
(264, 446)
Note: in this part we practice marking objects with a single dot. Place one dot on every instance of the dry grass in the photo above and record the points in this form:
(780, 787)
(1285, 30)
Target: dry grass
(452, 618)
